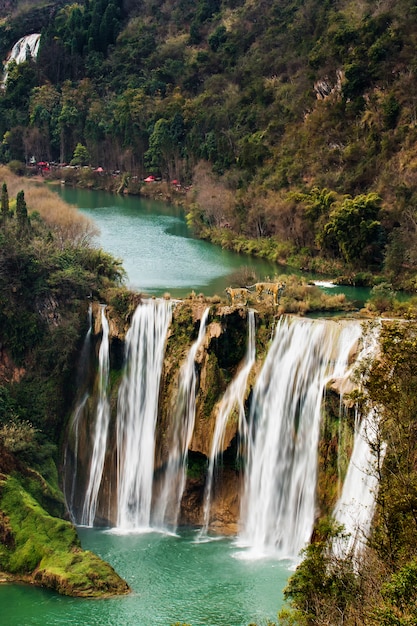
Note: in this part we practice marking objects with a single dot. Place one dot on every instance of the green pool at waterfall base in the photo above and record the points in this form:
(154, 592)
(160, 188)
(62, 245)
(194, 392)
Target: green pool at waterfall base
(173, 578)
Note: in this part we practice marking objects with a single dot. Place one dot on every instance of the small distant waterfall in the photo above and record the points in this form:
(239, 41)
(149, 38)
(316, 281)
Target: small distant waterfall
(137, 412)
(28, 45)
(100, 429)
(279, 501)
(169, 501)
(234, 397)
(355, 507)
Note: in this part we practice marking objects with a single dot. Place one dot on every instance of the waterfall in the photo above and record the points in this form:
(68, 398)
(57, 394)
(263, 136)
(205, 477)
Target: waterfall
(70, 472)
(355, 507)
(137, 412)
(27, 45)
(234, 396)
(278, 504)
(100, 429)
(169, 501)
(75, 423)
(85, 355)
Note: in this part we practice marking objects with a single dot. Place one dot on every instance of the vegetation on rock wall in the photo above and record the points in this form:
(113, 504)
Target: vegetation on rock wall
(37, 547)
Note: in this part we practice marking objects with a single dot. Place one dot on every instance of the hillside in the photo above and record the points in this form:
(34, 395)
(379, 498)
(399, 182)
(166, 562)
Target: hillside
(294, 121)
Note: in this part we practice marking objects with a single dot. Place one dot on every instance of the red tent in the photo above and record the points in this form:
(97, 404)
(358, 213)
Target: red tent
(150, 179)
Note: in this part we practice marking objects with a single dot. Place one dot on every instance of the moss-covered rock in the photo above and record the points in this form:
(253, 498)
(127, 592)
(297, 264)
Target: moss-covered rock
(38, 548)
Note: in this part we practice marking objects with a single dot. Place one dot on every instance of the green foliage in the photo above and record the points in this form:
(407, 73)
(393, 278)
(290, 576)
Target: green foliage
(21, 214)
(322, 585)
(196, 465)
(48, 548)
(393, 390)
(354, 232)
(43, 294)
(400, 598)
(4, 204)
(17, 167)
(81, 155)
(382, 298)
(17, 435)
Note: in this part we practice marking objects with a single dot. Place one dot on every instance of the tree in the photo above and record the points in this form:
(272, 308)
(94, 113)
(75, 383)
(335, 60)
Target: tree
(165, 147)
(21, 213)
(354, 231)
(4, 204)
(81, 155)
(323, 586)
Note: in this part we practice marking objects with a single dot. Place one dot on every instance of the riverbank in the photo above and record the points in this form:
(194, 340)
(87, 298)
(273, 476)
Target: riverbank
(222, 234)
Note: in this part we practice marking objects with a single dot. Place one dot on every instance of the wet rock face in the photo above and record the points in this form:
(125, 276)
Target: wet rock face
(225, 508)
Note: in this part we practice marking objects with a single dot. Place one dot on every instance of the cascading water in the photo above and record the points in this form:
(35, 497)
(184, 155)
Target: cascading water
(74, 433)
(84, 361)
(234, 397)
(26, 46)
(70, 471)
(169, 501)
(355, 507)
(100, 429)
(342, 374)
(278, 504)
(137, 412)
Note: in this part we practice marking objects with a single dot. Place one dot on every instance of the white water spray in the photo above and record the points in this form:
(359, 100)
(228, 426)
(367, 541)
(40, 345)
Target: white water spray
(100, 429)
(137, 412)
(356, 505)
(234, 397)
(278, 506)
(169, 501)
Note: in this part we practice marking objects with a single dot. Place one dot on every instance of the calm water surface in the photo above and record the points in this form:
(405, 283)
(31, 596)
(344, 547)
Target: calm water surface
(156, 247)
(173, 578)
